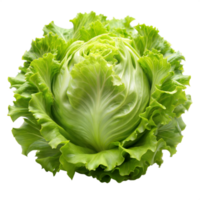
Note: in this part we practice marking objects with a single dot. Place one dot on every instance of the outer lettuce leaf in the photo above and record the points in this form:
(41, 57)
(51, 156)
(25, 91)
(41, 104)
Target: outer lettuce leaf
(156, 68)
(20, 107)
(50, 130)
(30, 138)
(62, 33)
(171, 134)
(49, 44)
(24, 89)
(40, 76)
(87, 25)
(148, 38)
(113, 163)
(79, 157)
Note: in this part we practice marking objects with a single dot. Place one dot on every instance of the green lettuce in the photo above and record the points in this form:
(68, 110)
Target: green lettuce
(101, 99)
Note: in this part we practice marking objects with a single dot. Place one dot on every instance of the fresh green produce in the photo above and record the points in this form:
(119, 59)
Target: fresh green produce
(101, 99)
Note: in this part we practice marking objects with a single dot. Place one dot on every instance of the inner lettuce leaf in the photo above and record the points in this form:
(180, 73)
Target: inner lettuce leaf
(103, 99)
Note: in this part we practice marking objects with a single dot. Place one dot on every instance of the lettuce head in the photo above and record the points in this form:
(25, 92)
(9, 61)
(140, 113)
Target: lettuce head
(101, 99)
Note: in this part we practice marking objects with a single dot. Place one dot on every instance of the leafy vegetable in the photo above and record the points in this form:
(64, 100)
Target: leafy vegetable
(102, 99)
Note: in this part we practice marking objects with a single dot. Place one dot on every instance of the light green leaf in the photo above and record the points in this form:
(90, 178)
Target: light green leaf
(29, 137)
(51, 131)
(62, 33)
(49, 44)
(156, 68)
